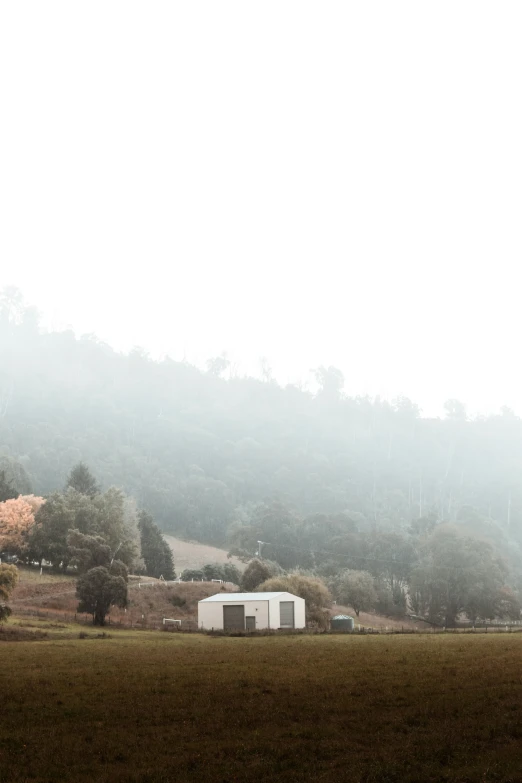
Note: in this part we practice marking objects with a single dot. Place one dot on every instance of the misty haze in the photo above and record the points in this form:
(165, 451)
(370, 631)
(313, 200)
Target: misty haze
(260, 434)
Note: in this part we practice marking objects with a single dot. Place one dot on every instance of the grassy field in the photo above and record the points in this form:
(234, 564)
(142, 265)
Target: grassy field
(149, 707)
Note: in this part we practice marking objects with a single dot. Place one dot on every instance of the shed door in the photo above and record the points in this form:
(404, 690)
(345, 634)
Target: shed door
(286, 609)
(234, 618)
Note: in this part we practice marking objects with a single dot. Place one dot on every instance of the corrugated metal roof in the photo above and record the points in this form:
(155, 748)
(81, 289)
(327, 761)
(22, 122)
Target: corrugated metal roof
(240, 597)
(342, 617)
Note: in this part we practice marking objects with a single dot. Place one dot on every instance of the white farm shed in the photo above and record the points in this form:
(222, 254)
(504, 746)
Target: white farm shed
(251, 611)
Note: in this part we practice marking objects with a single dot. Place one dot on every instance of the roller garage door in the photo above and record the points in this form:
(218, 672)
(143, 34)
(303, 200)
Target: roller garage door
(234, 618)
(286, 609)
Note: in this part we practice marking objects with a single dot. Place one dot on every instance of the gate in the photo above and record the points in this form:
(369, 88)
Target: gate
(286, 609)
(234, 618)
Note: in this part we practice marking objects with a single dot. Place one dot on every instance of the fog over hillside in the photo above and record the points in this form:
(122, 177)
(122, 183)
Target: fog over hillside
(325, 480)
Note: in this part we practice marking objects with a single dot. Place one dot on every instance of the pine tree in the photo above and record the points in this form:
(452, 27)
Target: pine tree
(154, 549)
(82, 480)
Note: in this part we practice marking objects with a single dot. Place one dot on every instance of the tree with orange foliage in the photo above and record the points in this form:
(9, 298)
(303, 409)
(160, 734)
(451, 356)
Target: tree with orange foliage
(16, 521)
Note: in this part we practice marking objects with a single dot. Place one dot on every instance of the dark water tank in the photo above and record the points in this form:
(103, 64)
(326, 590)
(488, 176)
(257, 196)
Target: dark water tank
(342, 622)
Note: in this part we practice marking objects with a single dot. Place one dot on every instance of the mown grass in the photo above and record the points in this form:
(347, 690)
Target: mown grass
(145, 707)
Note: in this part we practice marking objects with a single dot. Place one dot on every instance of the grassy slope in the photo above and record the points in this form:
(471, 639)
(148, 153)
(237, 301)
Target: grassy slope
(190, 554)
(151, 708)
(57, 596)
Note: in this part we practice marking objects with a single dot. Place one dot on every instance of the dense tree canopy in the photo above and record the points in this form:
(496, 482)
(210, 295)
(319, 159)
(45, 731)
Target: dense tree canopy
(87, 552)
(14, 479)
(84, 530)
(457, 574)
(7, 490)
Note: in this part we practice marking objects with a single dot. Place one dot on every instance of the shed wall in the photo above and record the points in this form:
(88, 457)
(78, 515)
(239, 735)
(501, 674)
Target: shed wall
(300, 613)
(210, 615)
(299, 610)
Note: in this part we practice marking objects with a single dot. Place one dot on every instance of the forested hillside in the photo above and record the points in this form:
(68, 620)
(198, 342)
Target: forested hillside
(231, 460)
(199, 449)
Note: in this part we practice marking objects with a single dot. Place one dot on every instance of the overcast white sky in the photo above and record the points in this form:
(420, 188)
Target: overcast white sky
(318, 183)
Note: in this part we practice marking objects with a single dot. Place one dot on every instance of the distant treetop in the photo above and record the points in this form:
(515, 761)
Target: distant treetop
(82, 480)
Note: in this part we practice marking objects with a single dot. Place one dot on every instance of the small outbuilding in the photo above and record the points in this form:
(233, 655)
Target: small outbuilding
(251, 611)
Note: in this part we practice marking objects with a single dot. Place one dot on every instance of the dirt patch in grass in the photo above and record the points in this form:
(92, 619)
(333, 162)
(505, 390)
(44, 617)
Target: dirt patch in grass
(155, 708)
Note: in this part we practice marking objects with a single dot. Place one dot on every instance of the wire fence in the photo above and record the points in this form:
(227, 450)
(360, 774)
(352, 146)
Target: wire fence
(128, 621)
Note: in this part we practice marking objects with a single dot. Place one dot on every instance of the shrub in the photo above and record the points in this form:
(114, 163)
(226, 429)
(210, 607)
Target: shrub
(192, 573)
(8, 580)
(254, 575)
